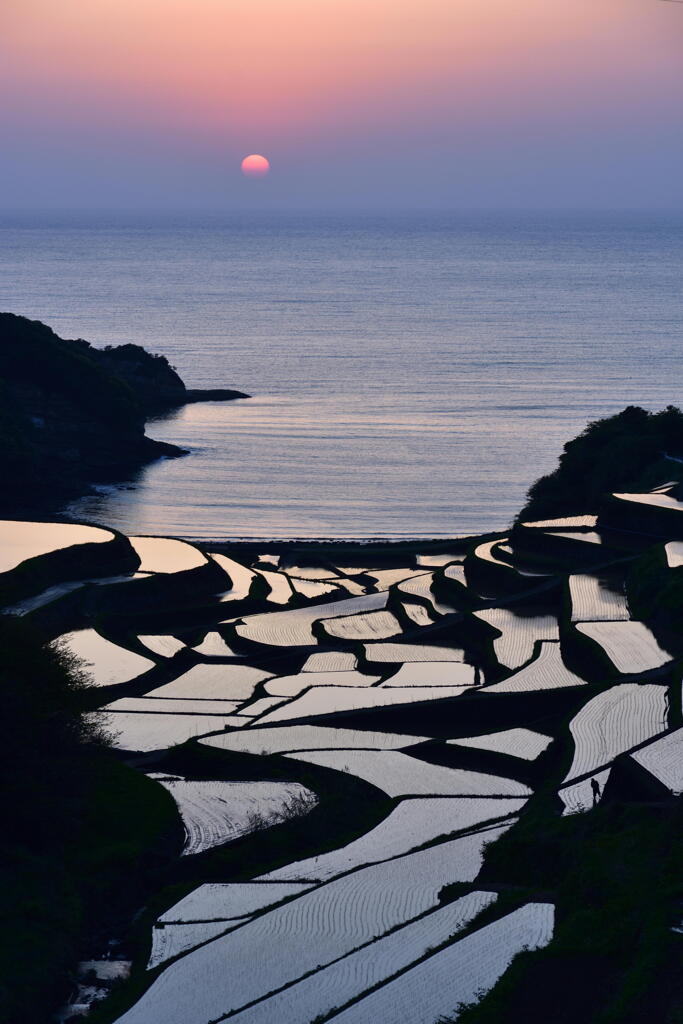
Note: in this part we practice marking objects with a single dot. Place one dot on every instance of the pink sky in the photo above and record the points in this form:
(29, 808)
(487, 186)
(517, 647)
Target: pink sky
(410, 101)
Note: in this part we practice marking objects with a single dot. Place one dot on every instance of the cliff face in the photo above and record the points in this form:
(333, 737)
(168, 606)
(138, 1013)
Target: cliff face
(71, 415)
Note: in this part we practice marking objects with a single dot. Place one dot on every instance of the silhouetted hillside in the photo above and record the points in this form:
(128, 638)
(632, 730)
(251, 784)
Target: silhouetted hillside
(611, 454)
(83, 836)
(71, 414)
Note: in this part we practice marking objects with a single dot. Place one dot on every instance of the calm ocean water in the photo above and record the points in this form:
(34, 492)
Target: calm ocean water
(412, 375)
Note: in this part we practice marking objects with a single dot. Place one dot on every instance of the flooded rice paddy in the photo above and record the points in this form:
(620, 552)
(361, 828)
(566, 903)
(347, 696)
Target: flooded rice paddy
(369, 758)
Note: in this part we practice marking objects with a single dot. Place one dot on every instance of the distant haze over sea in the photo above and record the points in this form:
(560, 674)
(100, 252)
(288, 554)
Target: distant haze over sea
(412, 374)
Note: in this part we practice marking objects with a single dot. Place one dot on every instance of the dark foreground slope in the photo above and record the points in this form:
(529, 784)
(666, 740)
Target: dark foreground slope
(616, 878)
(71, 415)
(83, 835)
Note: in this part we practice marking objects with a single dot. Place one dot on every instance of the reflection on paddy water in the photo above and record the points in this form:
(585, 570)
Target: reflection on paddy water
(105, 662)
(21, 540)
(160, 554)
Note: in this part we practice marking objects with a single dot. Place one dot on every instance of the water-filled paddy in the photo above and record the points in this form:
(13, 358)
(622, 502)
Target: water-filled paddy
(22, 540)
(334, 784)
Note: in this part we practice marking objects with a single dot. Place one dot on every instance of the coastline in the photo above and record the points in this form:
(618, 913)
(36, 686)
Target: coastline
(74, 416)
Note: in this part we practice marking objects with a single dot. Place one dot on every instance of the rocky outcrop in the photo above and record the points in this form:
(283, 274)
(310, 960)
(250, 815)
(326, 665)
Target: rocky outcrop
(72, 415)
(151, 378)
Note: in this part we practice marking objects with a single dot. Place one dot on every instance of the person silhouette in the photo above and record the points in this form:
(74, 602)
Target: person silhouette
(595, 786)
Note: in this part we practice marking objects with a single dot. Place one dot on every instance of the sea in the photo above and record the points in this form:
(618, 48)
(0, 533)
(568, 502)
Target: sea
(410, 374)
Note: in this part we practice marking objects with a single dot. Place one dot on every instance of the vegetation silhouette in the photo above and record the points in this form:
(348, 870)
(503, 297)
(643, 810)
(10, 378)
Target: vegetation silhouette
(82, 836)
(72, 414)
(623, 452)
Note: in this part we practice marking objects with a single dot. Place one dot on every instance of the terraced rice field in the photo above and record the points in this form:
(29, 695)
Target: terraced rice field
(269, 559)
(214, 646)
(364, 626)
(417, 613)
(665, 488)
(566, 523)
(524, 743)
(397, 652)
(292, 686)
(105, 662)
(592, 599)
(240, 576)
(664, 760)
(418, 586)
(292, 628)
(385, 578)
(21, 540)
(47, 596)
(140, 732)
(456, 573)
(281, 739)
(400, 775)
(260, 706)
(546, 672)
(353, 975)
(159, 705)
(614, 722)
(280, 588)
(433, 673)
(330, 661)
(50, 594)
(61, 589)
(437, 561)
(630, 646)
(658, 499)
(515, 646)
(421, 587)
(228, 900)
(170, 940)
(164, 646)
(486, 552)
(350, 586)
(213, 682)
(412, 824)
(511, 559)
(328, 700)
(162, 554)
(311, 572)
(674, 553)
(322, 925)
(313, 588)
(458, 974)
(358, 933)
(586, 536)
(215, 813)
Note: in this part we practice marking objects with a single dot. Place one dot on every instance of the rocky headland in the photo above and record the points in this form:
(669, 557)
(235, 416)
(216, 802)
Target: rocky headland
(72, 415)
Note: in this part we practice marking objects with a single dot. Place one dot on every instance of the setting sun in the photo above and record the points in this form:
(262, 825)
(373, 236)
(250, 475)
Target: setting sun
(255, 166)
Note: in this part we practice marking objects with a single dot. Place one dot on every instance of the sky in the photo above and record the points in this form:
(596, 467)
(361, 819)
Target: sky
(378, 104)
